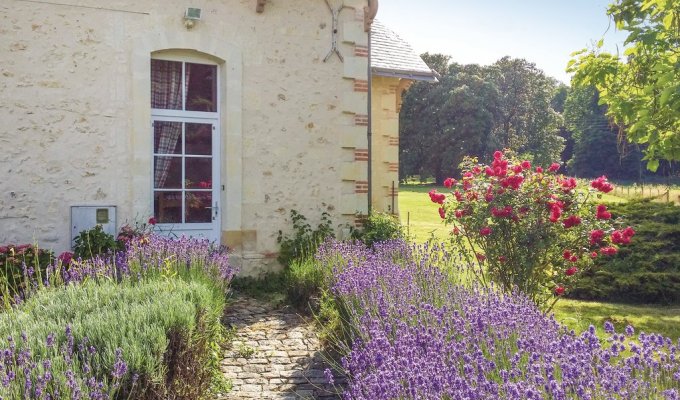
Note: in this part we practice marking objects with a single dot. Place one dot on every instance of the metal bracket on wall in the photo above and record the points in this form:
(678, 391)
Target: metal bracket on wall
(335, 12)
(260, 6)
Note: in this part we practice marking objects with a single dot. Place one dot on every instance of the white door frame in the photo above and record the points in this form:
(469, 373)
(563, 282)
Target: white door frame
(209, 230)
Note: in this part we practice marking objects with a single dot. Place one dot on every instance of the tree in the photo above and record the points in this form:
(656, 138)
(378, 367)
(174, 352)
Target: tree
(642, 92)
(597, 150)
(442, 123)
(526, 122)
(476, 110)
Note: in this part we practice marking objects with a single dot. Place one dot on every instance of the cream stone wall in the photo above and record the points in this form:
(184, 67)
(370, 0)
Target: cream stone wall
(385, 96)
(75, 113)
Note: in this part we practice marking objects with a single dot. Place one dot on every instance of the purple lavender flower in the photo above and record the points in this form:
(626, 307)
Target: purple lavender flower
(420, 333)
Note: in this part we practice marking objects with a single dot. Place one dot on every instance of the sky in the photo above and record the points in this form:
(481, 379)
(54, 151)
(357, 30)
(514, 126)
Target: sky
(544, 32)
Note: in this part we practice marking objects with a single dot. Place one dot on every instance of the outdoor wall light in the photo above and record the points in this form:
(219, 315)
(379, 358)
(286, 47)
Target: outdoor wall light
(191, 15)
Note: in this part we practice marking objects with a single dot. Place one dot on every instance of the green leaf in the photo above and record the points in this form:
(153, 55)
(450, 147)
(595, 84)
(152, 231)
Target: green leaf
(653, 165)
(600, 43)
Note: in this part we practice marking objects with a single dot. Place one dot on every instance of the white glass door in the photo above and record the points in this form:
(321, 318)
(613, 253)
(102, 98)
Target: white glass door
(186, 176)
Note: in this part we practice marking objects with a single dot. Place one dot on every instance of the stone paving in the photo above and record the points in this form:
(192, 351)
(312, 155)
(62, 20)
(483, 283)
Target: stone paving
(275, 354)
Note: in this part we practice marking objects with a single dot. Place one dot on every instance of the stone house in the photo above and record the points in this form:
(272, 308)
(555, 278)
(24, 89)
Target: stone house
(215, 116)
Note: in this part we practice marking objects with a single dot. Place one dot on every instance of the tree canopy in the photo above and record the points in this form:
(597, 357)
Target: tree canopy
(476, 110)
(641, 89)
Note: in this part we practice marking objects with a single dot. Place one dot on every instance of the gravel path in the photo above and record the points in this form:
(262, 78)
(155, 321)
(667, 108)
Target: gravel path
(274, 355)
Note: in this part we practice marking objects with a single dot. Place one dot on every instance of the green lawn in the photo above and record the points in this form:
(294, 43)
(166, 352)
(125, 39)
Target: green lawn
(423, 221)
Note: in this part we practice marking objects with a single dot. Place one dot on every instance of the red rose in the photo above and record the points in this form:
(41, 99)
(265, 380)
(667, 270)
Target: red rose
(66, 258)
(152, 221)
(596, 236)
(449, 182)
(629, 232)
(480, 257)
(602, 212)
(554, 167)
(442, 213)
(571, 221)
(502, 259)
(455, 231)
(571, 271)
(566, 255)
(436, 197)
(497, 155)
(489, 171)
(610, 251)
(602, 184)
(568, 184)
(526, 164)
(559, 291)
(539, 170)
(486, 231)
(517, 169)
(593, 254)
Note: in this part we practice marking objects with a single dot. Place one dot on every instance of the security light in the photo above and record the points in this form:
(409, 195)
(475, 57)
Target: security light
(193, 14)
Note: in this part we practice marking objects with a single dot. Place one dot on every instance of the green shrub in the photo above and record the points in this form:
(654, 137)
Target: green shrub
(93, 242)
(648, 269)
(378, 227)
(304, 283)
(168, 330)
(305, 240)
(13, 258)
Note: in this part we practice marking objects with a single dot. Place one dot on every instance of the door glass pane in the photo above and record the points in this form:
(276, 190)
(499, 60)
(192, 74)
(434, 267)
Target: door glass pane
(166, 85)
(198, 172)
(201, 81)
(167, 172)
(168, 207)
(167, 137)
(199, 207)
(198, 139)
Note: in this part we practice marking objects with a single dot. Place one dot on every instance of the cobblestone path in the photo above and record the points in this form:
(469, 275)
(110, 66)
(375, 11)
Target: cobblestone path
(274, 355)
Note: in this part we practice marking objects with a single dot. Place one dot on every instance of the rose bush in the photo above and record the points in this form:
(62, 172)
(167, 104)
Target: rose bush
(528, 228)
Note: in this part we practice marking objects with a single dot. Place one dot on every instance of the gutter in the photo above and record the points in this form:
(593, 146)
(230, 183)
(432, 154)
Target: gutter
(431, 76)
(369, 15)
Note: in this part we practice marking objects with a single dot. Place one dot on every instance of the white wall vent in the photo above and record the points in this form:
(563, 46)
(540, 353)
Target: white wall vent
(86, 217)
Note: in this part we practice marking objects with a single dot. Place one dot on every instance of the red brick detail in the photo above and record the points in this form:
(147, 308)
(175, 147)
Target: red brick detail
(394, 141)
(359, 223)
(394, 193)
(361, 187)
(361, 155)
(360, 85)
(360, 51)
(361, 119)
(393, 167)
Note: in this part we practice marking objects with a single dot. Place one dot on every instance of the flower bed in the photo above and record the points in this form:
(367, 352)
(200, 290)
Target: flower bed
(419, 333)
(142, 324)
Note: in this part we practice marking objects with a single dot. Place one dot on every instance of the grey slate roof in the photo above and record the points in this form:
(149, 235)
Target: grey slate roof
(393, 56)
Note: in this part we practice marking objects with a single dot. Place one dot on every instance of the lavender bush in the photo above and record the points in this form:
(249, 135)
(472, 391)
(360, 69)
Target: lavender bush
(144, 323)
(420, 333)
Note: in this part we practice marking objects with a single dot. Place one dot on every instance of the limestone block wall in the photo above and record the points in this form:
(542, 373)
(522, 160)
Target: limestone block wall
(386, 99)
(75, 112)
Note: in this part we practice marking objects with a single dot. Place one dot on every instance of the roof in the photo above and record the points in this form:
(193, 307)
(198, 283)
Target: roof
(392, 56)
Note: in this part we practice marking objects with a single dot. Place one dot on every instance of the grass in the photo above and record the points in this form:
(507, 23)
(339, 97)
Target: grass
(424, 222)
(579, 315)
(419, 215)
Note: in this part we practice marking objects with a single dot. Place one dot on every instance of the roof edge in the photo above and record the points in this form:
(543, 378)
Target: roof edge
(432, 76)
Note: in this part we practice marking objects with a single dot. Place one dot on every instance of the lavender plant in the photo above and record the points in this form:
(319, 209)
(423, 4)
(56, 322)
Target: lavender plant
(419, 334)
(152, 312)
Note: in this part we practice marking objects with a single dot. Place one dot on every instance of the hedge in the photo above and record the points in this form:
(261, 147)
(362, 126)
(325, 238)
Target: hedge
(647, 270)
